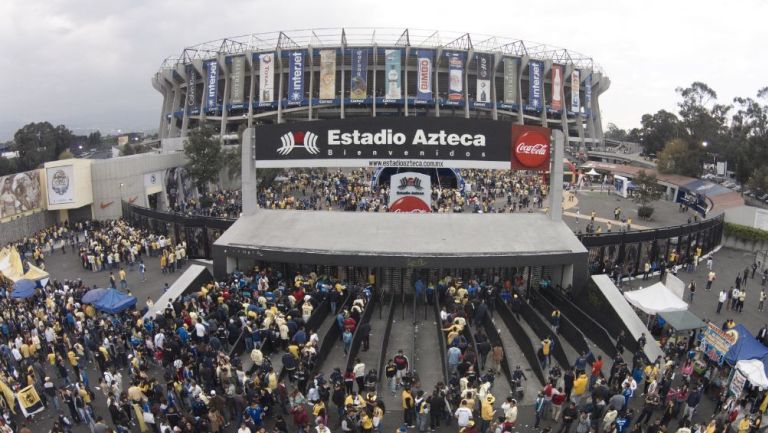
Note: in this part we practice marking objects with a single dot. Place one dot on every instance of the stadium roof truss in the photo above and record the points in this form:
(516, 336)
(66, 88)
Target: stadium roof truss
(385, 37)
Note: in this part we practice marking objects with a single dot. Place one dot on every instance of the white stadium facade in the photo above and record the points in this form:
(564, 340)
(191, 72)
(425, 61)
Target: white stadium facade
(319, 74)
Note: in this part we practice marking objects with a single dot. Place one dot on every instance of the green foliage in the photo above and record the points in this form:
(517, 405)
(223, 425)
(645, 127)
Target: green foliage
(745, 233)
(38, 143)
(644, 212)
(646, 189)
(205, 156)
(66, 155)
(658, 129)
(680, 157)
(233, 162)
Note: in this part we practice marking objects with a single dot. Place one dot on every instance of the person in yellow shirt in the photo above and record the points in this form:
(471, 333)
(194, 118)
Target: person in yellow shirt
(366, 422)
(487, 412)
(744, 425)
(122, 275)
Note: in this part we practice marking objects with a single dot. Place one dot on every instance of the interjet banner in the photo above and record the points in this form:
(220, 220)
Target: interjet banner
(191, 88)
(557, 88)
(212, 84)
(483, 78)
(535, 87)
(392, 61)
(455, 76)
(575, 82)
(588, 94)
(424, 75)
(511, 67)
(327, 74)
(237, 83)
(388, 142)
(267, 77)
(358, 79)
(296, 77)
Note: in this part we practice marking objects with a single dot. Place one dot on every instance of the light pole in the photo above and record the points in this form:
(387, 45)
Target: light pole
(121, 192)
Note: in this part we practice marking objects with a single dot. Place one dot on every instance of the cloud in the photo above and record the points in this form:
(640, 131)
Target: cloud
(88, 63)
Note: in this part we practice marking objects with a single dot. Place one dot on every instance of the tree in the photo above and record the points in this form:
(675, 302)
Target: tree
(233, 162)
(38, 143)
(205, 156)
(94, 140)
(658, 129)
(702, 118)
(646, 191)
(615, 133)
(679, 157)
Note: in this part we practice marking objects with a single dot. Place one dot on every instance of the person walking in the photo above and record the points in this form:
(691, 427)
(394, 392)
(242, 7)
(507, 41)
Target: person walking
(142, 270)
(691, 291)
(569, 416)
(538, 407)
(762, 300)
(721, 298)
(711, 277)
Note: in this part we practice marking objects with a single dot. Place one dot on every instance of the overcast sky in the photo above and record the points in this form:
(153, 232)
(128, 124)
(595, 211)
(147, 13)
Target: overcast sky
(88, 63)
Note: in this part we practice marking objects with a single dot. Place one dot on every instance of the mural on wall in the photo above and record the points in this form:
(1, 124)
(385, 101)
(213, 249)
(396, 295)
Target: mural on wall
(19, 193)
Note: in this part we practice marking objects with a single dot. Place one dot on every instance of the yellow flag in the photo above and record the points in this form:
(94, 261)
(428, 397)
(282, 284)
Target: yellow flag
(8, 396)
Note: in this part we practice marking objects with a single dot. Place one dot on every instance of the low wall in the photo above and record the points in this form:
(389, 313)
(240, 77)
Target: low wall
(25, 226)
(741, 245)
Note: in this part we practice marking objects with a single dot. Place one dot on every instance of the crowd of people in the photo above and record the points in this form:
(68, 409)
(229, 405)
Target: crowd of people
(223, 203)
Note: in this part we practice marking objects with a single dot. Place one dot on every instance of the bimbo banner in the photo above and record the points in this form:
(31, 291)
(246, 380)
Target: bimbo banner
(237, 83)
(212, 84)
(483, 88)
(535, 85)
(267, 78)
(575, 83)
(389, 142)
(557, 88)
(424, 75)
(358, 79)
(296, 77)
(327, 74)
(511, 67)
(455, 76)
(393, 88)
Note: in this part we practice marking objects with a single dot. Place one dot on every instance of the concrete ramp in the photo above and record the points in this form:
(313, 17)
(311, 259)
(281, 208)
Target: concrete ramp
(623, 312)
(190, 281)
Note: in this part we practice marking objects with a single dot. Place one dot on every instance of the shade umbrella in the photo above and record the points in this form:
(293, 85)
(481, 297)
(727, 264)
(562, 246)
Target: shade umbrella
(23, 289)
(93, 295)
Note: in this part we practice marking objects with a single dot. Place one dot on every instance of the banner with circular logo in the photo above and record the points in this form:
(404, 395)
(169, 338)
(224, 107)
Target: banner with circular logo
(531, 148)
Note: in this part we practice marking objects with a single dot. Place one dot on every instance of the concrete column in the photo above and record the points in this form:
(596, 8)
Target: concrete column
(545, 71)
(470, 53)
(494, 96)
(279, 56)
(374, 68)
(185, 116)
(225, 100)
(311, 65)
(520, 106)
(556, 177)
(405, 79)
(162, 129)
(173, 130)
(250, 185)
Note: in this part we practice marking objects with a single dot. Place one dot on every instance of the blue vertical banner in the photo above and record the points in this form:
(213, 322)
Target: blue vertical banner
(455, 77)
(424, 75)
(212, 85)
(296, 77)
(483, 88)
(393, 88)
(191, 89)
(588, 94)
(358, 80)
(535, 85)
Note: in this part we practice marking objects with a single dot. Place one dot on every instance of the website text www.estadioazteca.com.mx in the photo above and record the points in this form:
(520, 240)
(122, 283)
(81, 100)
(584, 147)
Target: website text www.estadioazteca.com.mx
(405, 163)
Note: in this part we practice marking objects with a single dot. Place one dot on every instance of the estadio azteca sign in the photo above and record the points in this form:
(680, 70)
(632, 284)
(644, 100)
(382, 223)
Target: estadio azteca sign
(397, 142)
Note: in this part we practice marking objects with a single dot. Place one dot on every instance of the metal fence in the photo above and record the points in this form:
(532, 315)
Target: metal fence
(630, 250)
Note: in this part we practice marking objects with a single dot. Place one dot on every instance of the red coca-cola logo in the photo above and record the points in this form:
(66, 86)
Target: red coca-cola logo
(410, 204)
(531, 149)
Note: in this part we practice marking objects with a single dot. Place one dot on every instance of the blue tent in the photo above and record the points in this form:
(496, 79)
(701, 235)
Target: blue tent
(93, 295)
(115, 301)
(23, 289)
(745, 347)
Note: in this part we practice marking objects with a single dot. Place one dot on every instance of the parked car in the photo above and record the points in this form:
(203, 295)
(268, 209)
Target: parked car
(763, 197)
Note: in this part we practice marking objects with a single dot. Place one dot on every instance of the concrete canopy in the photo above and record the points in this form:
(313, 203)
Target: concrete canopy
(401, 240)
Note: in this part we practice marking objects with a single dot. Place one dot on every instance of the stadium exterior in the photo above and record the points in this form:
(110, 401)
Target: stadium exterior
(278, 77)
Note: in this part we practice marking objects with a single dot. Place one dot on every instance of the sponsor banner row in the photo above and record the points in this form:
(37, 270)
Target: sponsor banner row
(297, 62)
(469, 143)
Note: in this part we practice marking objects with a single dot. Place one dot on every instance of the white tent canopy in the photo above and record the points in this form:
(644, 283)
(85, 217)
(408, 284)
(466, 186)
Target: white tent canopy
(755, 372)
(593, 172)
(655, 299)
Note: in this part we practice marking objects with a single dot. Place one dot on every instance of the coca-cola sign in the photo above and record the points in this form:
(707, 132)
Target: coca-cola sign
(530, 147)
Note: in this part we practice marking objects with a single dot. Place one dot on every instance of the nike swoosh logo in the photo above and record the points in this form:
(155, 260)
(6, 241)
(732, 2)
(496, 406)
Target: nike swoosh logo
(131, 200)
(106, 205)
